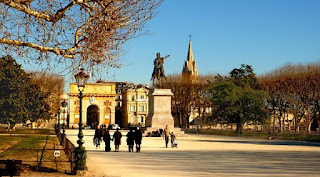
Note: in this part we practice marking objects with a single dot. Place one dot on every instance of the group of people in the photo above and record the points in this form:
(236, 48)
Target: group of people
(102, 133)
(134, 136)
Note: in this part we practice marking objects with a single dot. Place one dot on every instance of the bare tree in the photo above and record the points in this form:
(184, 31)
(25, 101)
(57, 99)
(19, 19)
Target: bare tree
(188, 97)
(52, 86)
(72, 33)
(294, 89)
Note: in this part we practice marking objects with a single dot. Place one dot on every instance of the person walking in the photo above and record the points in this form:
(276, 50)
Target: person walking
(166, 135)
(97, 137)
(106, 139)
(117, 139)
(138, 138)
(130, 140)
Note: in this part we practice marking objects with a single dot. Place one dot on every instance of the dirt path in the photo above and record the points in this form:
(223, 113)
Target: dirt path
(205, 155)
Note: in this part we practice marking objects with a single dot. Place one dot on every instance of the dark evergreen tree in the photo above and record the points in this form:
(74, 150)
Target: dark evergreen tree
(236, 99)
(19, 99)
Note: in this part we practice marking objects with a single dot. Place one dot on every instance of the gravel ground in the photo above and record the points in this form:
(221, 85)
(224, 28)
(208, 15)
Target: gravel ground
(204, 155)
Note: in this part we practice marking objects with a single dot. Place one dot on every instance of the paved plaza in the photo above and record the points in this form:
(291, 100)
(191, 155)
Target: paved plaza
(203, 155)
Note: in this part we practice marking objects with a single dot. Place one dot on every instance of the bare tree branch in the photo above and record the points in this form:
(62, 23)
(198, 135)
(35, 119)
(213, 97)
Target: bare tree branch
(38, 47)
(91, 33)
(26, 10)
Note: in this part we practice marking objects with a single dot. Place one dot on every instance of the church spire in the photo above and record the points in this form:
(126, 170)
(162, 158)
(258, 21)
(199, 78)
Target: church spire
(190, 53)
(190, 70)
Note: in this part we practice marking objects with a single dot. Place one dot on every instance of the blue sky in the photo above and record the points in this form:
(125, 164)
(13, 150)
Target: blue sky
(225, 33)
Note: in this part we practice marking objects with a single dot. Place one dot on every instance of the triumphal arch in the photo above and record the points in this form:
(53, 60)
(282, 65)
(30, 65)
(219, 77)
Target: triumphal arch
(98, 104)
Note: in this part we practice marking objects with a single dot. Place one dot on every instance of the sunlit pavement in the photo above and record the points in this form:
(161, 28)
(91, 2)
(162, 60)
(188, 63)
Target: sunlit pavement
(203, 155)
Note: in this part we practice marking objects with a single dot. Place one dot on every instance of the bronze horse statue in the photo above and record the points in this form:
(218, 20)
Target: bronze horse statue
(158, 70)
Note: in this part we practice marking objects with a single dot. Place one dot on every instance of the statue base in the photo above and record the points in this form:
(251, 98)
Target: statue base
(159, 115)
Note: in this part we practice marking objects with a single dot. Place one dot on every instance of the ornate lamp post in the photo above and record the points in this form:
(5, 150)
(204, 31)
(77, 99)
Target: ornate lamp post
(58, 125)
(64, 105)
(80, 152)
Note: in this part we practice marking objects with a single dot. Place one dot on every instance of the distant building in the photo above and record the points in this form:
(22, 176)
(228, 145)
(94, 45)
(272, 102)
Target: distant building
(120, 88)
(98, 104)
(190, 69)
(135, 106)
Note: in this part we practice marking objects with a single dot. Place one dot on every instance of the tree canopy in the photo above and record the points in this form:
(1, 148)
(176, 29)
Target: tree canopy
(72, 33)
(236, 100)
(20, 100)
(294, 89)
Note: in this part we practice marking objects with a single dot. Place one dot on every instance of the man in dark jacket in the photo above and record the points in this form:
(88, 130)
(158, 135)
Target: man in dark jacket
(117, 139)
(97, 137)
(130, 140)
(106, 139)
(138, 138)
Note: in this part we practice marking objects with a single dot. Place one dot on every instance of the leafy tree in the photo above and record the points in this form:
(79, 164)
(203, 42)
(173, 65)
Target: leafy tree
(13, 84)
(19, 99)
(235, 101)
(224, 96)
(244, 77)
(36, 104)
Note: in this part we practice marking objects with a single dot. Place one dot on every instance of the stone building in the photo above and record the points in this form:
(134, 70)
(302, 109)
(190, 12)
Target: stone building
(190, 70)
(135, 106)
(120, 88)
(98, 104)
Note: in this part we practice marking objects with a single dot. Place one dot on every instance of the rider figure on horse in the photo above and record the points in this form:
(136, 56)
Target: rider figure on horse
(158, 71)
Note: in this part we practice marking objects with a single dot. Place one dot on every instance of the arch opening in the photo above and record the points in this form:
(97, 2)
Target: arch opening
(93, 116)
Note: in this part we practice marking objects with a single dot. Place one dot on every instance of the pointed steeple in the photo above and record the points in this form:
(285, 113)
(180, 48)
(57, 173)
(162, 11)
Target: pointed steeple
(190, 53)
(190, 70)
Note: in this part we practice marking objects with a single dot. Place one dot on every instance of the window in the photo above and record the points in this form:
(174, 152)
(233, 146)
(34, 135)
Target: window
(141, 118)
(142, 96)
(142, 108)
(132, 97)
(133, 108)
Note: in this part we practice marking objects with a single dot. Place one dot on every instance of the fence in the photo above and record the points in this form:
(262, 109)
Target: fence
(41, 160)
(50, 158)
(68, 148)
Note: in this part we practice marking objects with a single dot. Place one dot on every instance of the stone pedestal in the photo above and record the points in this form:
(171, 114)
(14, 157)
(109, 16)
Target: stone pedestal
(160, 111)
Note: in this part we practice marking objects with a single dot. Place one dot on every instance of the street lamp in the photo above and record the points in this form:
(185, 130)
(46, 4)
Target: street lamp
(80, 152)
(64, 105)
(58, 125)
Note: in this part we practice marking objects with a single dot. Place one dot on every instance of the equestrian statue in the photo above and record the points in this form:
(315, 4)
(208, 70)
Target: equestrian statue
(158, 70)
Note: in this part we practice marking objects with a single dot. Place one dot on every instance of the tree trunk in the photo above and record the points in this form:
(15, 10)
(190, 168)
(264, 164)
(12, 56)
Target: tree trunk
(188, 123)
(274, 121)
(283, 125)
(239, 126)
(288, 123)
(179, 119)
(296, 125)
(309, 127)
(297, 128)
(308, 123)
